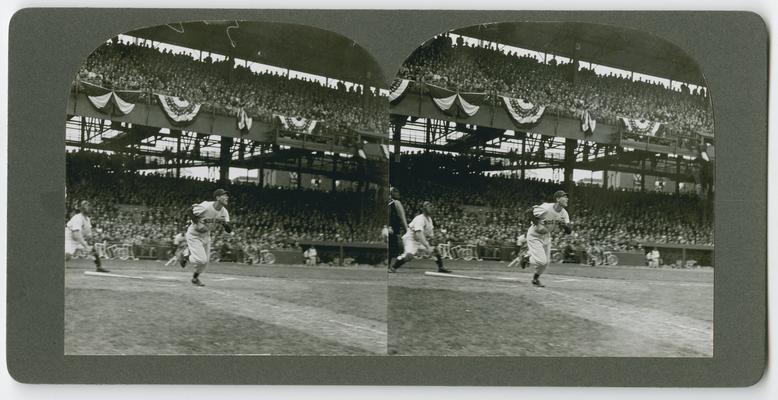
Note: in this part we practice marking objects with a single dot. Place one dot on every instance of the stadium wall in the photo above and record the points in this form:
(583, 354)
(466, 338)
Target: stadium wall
(550, 124)
(206, 122)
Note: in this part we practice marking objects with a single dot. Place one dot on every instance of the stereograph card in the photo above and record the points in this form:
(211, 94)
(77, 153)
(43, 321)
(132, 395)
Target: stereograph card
(376, 197)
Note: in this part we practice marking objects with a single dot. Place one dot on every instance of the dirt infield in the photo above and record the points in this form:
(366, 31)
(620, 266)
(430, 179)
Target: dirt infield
(284, 310)
(582, 311)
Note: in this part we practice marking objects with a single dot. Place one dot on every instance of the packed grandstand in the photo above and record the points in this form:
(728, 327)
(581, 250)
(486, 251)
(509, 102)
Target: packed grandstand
(466, 67)
(225, 87)
(470, 209)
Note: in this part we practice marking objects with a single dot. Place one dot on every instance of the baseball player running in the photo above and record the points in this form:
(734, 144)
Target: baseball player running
(547, 218)
(415, 239)
(206, 217)
(77, 231)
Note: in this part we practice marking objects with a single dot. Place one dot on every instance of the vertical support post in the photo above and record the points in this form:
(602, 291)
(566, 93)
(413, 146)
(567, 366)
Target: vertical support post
(299, 172)
(605, 179)
(570, 145)
(334, 171)
(261, 173)
(178, 153)
(523, 155)
(83, 133)
(225, 156)
(428, 134)
(678, 174)
(396, 139)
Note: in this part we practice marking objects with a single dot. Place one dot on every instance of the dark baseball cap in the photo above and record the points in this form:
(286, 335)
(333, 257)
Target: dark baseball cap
(559, 193)
(219, 192)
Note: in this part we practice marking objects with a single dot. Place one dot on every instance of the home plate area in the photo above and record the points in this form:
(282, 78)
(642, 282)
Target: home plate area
(145, 308)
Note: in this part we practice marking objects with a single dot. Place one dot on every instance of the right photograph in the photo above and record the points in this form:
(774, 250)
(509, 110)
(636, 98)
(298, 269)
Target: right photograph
(551, 195)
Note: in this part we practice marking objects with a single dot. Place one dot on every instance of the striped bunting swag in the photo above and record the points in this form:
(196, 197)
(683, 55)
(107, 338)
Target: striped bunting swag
(398, 88)
(180, 111)
(297, 124)
(522, 111)
(641, 126)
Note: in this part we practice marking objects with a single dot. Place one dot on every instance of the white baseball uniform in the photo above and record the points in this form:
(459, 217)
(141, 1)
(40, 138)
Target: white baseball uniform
(539, 244)
(421, 223)
(81, 223)
(199, 243)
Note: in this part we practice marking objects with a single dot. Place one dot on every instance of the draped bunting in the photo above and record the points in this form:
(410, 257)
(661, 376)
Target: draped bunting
(244, 121)
(101, 102)
(297, 124)
(445, 103)
(468, 108)
(131, 96)
(124, 107)
(522, 111)
(446, 99)
(398, 88)
(104, 104)
(180, 111)
(588, 124)
(640, 127)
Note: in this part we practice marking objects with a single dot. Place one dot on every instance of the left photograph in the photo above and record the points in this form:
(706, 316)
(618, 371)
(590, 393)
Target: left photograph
(226, 186)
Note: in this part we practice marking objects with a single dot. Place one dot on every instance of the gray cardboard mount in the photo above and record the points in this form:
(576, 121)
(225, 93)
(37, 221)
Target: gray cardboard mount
(48, 45)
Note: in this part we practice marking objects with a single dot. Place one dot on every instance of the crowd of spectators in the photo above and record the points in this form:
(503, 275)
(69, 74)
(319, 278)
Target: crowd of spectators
(224, 87)
(476, 209)
(471, 68)
(469, 208)
(149, 209)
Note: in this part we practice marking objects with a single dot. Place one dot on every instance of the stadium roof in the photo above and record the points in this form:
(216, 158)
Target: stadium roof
(607, 45)
(302, 48)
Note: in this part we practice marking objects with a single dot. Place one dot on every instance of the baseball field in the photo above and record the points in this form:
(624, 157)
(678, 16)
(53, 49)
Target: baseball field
(582, 311)
(279, 309)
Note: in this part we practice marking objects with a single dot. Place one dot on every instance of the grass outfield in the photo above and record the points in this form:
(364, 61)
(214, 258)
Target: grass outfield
(582, 311)
(279, 310)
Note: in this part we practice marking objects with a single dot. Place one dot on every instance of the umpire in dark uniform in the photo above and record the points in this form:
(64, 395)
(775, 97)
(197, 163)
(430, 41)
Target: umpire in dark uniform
(398, 224)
